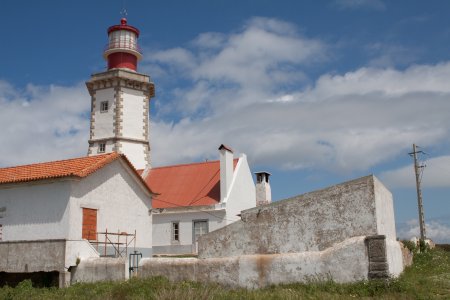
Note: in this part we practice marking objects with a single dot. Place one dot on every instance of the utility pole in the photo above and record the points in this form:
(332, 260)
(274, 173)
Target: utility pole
(417, 170)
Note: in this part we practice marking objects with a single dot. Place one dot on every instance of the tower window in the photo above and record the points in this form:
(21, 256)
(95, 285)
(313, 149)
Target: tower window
(101, 148)
(104, 106)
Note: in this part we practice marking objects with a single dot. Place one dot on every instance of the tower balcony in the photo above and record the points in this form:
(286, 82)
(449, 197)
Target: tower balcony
(122, 45)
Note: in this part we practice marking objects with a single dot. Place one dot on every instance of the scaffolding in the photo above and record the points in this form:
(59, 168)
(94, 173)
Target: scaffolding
(117, 241)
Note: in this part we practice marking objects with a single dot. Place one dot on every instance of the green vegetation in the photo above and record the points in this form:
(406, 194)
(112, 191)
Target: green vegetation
(427, 278)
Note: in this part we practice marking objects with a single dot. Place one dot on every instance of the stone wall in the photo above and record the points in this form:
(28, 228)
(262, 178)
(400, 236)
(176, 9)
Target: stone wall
(28, 256)
(345, 262)
(311, 222)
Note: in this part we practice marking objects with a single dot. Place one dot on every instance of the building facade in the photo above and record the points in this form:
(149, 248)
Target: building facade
(191, 200)
(72, 204)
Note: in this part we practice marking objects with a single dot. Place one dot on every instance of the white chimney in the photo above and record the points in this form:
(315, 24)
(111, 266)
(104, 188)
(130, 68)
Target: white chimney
(263, 191)
(226, 170)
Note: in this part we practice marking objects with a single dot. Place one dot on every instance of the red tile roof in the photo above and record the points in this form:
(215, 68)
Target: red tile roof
(184, 185)
(76, 167)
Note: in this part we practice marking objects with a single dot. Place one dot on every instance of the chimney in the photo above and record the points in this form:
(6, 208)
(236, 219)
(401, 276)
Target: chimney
(226, 170)
(263, 192)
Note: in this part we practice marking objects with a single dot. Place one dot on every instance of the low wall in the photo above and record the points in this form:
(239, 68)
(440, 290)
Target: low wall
(345, 262)
(345, 232)
(32, 256)
(100, 269)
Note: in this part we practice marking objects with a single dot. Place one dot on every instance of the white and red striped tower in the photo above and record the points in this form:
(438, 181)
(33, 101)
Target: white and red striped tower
(120, 99)
(122, 50)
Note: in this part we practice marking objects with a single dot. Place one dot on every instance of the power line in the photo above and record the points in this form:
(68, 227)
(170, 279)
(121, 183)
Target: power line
(418, 170)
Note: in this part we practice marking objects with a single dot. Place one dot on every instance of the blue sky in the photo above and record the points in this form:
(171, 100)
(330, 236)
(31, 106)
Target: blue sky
(315, 92)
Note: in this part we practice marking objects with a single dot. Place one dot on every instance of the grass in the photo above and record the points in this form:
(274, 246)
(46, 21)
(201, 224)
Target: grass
(427, 278)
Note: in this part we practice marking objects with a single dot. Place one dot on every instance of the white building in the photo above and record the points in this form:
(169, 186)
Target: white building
(194, 199)
(72, 201)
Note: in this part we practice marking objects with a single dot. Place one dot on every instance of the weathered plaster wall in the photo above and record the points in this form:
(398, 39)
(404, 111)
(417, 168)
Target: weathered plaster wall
(32, 256)
(310, 222)
(122, 205)
(100, 269)
(242, 191)
(36, 210)
(162, 229)
(345, 262)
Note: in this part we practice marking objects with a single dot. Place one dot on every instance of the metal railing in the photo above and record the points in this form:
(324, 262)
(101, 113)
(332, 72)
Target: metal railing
(123, 44)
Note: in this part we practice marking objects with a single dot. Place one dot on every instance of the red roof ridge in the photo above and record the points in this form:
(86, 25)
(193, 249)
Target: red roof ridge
(53, 161)
(187, 164)
(73, 167)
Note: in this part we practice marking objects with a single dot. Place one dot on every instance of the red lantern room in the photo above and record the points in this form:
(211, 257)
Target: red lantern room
(122, 50)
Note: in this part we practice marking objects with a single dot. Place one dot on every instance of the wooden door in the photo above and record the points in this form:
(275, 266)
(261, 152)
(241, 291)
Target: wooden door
(89, 227)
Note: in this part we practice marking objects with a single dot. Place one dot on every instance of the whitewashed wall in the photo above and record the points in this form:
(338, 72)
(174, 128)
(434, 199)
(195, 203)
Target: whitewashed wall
(103, 121)
(34, 211)
(122, 205)
(242, 195)
(135, 152)
(133, 114)
(162, 230)
(384, 207)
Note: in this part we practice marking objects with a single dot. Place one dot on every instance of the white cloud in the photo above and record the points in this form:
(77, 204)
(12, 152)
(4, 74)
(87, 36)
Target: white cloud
(435, 230)
(435, 174)
(360, 4)
(42, 123)
(251, 91)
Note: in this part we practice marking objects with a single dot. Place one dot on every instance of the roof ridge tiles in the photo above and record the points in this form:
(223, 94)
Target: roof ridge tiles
(187, 164)
(55, 161)
(98, 164)
(74, 167)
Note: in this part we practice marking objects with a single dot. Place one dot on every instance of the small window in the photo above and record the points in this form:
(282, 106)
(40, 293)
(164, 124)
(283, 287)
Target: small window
(104, 106)
(175, 231)
(102, 148)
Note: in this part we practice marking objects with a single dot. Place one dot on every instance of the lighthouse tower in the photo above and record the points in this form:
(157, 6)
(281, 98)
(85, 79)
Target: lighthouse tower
(120, 100)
